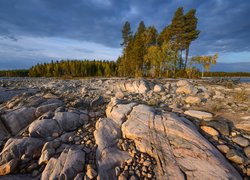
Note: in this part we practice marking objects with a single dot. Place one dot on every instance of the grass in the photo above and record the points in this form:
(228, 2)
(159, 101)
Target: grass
(241, 96)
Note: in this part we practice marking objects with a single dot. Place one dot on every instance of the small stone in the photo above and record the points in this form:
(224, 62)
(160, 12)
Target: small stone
(209, 130)
(233, 134)
(146, 163)
(192, 100)
(247, 151)
(35, 173)
(79, 176)
(123, 176)
(32, 167)
(199, 114)
(235, 156)
(117, 171)
(70, 139)
(8, 167)
(150, 175)
(88, 142)
(241, 141)
(55, 135)
(133, 177)
(119, 95)
(223, 148)
(248, 171)
(91, 173)
(158, 88)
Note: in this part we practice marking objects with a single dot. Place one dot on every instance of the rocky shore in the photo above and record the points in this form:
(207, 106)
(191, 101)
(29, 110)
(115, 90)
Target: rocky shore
(124, 129)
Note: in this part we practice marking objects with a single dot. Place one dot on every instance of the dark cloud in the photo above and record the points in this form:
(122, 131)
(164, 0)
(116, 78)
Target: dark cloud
(224, 24)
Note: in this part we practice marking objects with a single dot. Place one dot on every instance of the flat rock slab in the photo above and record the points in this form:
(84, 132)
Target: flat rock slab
(199, 114)
(180, 150)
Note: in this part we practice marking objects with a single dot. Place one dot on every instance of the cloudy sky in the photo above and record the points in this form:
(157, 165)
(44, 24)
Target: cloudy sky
(34, 31)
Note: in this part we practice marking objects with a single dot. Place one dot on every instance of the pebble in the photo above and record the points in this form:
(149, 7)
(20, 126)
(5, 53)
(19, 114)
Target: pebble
(91, 173)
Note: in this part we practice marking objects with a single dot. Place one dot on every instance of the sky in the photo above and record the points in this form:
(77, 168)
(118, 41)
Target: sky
(34, 31)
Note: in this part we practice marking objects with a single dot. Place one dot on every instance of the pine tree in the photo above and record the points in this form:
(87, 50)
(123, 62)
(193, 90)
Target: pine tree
(191, 32)
(126, 34)
(177, 29)
(139, 50)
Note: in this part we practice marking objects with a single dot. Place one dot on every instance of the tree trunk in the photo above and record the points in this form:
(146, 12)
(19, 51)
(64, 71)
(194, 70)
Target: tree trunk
(186, 59)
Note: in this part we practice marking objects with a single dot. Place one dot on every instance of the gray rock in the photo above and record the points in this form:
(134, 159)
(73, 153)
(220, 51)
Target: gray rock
(158, 88)
(241, 141)
(199, 114)
(67, 166)
(45, 108)
(181, 83)
(192, 100)
(247, 151)
(18, 119)
(220, 125)
(235, 156)
(163, 134)
(48, 151)
(108, 155)
(4, 134)
(44, 128)
(68, 121)
(15, 148)
(187, 89)
(97, 101)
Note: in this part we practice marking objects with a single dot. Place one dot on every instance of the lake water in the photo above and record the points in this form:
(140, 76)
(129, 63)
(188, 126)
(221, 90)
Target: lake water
(241, 79)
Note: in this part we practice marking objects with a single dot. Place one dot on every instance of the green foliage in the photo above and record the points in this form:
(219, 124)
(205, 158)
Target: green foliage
(14, 73)
(205, 61)
(147, 53)
(74, 68)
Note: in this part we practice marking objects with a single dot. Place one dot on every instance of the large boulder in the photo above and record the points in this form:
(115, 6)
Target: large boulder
(4, 134)
(187, 89)
(46, 108)
(193, 100)
(67, 166)
(108, 155)
(181, 152)
(135, 86)
(18, 119)
(181, 83)
(14, 149)
(44, 128)
(49, 149)
(69, 121)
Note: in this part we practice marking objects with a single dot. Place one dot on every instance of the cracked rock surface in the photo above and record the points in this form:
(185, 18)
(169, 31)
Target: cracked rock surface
(116, 128)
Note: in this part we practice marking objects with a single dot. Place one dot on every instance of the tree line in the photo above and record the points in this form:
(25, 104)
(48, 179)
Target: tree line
(14, 73)
(74, 68)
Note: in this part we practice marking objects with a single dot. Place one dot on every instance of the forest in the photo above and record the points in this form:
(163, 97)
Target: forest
(146, 53)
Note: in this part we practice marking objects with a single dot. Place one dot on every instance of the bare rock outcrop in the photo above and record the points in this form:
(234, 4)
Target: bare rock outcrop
(108, 155)
(18, 119)
(67, 166)
(179, 149)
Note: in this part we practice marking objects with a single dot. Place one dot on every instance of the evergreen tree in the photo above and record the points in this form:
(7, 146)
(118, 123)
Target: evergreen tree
(126, 34)
(191, 33)
(177, 29)
(138, 50)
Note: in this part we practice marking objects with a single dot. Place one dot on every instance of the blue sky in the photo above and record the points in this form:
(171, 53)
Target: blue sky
(33, 31)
